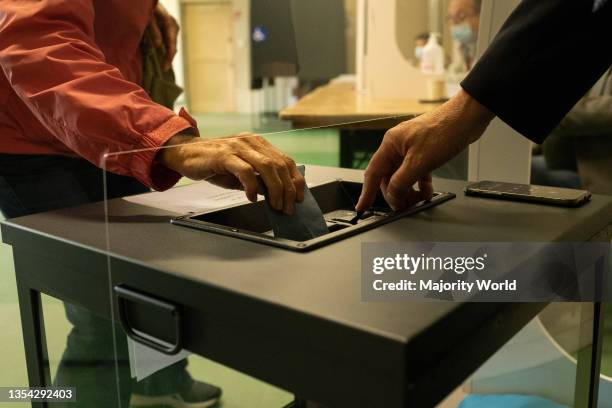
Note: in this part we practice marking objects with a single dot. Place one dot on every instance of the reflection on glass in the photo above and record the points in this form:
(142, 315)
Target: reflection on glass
(41, 183)
(88, 353)
(577, 153)
(605, 384)
(543, 364)
(12, 353)
(238, 390)
(541, 361)
(203, 382)
(81, 354)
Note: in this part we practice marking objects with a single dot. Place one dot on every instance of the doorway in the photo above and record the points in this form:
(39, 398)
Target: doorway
(209, 55)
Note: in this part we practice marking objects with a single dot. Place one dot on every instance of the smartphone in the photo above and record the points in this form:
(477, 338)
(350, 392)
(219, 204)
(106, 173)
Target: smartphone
(565, 197)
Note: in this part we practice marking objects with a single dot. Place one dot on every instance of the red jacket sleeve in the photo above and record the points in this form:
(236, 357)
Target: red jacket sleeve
(48, 54)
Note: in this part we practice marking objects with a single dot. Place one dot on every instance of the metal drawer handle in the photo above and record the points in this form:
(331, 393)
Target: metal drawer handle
(123, 295)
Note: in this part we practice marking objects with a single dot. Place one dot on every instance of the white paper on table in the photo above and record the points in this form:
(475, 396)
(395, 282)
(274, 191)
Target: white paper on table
(196, 197)
(145, 361)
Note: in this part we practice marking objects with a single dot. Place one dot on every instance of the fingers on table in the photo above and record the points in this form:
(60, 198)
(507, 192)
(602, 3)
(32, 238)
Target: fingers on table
(426, 187)
(377, 170)
(371, 185)
(396, 183)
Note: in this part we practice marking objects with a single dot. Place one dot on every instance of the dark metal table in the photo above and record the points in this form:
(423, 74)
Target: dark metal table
(295, 320)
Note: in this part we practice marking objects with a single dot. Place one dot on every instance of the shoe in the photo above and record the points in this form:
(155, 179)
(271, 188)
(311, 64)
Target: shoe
(198, 395)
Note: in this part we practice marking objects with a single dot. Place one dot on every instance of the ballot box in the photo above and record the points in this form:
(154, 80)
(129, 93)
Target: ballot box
(337, 201)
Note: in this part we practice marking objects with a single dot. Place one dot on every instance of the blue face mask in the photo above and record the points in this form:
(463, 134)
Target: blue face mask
(463, 33)
(418, 53)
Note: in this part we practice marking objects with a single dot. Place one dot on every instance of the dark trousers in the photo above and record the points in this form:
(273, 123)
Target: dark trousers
(37, 183)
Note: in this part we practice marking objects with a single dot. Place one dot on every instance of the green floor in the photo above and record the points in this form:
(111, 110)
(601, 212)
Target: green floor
(320, 146)
(310, 146)
(12, 370)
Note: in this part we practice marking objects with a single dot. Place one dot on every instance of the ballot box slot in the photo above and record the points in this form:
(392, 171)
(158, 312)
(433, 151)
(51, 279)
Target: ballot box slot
(333, 227)
(337, 201)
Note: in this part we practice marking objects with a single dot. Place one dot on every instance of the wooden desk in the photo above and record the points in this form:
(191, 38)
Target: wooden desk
(339, 105)
(362, 121)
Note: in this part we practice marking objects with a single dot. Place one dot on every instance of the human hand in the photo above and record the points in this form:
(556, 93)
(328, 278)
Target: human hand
(233, 162)
(164, 33)
(413, 149)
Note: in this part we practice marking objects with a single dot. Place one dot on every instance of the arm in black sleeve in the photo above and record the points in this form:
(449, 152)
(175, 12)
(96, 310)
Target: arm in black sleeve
(546, 56)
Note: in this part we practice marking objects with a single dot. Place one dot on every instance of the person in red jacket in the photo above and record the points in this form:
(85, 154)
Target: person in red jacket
(70, 93)
(70, 87)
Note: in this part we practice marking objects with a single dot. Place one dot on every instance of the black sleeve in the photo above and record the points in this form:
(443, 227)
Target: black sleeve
(546, 56)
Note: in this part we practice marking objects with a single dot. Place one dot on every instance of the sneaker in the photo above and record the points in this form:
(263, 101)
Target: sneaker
(199, 395)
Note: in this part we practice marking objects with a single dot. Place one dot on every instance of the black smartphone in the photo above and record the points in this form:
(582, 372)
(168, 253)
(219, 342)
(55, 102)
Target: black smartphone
(565, 197)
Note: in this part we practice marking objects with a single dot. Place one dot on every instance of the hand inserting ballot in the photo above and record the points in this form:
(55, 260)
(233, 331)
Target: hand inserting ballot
(233, 162)
(413, 149)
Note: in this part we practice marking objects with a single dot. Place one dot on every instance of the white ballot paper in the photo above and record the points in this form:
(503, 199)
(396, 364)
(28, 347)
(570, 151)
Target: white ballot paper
(145, 361)
(196, 197)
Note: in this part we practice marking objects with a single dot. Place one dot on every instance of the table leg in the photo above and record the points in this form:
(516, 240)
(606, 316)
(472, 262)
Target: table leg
(365, 141)
(34, 340)
(589, 359)
(346, 149)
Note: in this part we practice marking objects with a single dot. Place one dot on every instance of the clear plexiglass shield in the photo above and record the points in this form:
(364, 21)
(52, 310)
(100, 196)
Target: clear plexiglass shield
(204, 291)
(307, 78)
(267, 68)
(171, 252)
(193, 268)
(148, 300)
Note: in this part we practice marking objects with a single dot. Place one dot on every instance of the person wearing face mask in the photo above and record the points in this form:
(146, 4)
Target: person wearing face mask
(419, 43)
(464, 16)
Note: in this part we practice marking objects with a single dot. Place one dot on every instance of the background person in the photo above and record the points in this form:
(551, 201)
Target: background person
(464, 17)
(419, 43)
(583, 139)
(517, 79)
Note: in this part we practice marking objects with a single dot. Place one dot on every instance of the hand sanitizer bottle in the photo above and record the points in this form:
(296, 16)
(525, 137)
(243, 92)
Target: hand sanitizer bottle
(432, 62)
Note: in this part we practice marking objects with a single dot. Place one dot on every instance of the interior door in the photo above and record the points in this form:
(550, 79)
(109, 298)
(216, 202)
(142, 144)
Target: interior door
(209, 45)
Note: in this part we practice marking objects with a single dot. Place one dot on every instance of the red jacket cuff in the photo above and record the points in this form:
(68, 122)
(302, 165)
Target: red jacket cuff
(145, 166)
